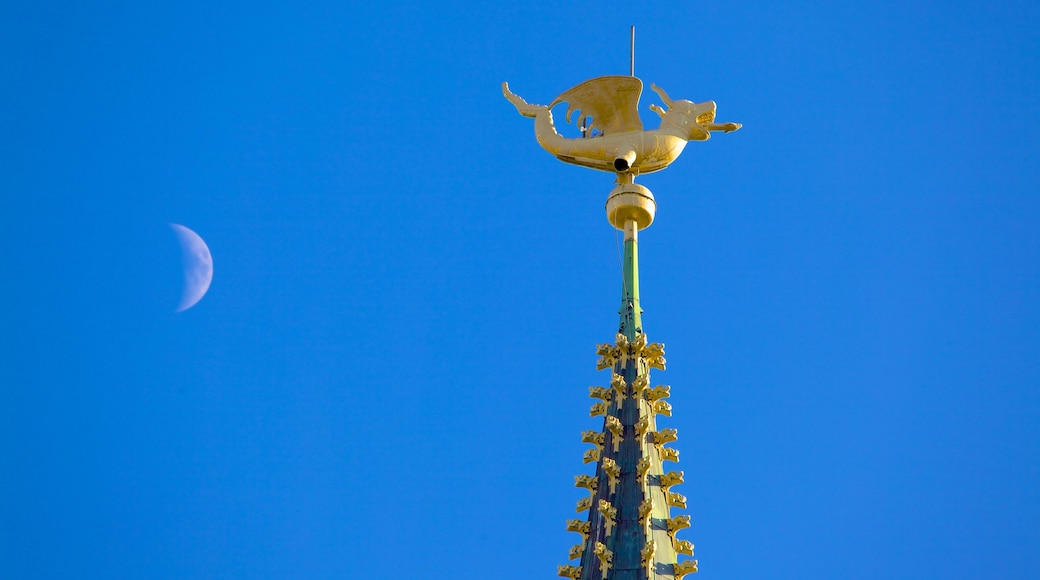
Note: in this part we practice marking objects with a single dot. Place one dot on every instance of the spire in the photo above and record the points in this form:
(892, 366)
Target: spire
(630, 533)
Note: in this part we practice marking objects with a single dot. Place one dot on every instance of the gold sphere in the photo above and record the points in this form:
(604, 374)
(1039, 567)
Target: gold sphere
(630, 201)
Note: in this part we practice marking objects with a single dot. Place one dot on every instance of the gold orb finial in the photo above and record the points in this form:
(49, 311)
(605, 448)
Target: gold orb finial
(631, 202)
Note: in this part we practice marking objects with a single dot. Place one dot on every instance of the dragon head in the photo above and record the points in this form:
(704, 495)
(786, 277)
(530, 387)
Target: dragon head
(685, 117)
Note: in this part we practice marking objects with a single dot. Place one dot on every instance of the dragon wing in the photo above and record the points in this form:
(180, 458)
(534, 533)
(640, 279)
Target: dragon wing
(611, 101)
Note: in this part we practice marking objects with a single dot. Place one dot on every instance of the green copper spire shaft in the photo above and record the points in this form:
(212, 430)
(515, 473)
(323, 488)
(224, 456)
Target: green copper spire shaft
(630, 533)
(631, 322)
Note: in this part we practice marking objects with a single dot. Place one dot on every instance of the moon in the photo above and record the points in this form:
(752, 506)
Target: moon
(198, 266)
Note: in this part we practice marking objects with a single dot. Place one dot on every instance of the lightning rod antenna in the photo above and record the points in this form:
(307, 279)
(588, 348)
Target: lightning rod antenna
(632, 53)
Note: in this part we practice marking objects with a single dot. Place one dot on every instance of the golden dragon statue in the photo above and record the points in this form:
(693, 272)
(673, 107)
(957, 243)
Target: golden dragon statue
(613, 138)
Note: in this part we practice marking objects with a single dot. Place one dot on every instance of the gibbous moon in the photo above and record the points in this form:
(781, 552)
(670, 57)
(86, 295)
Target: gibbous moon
(198, 266)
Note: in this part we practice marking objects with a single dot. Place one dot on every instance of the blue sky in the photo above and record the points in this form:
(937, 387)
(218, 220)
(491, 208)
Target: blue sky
(389, 373)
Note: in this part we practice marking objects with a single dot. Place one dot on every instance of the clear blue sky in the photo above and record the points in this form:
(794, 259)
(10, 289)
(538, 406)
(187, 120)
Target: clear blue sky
(389, 374)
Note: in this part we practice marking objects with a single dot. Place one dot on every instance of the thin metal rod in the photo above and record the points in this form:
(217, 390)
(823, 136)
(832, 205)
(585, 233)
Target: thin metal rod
(632, 53)
(631, 230)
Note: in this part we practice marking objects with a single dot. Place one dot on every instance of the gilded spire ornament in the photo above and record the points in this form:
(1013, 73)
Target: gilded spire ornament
(630, 533)
(614, 139)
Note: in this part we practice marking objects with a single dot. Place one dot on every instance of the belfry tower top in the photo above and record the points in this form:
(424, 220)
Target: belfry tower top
(630, 533)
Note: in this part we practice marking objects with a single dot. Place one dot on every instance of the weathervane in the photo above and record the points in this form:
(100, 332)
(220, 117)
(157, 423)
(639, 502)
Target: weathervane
(630, 533)
(613, 138)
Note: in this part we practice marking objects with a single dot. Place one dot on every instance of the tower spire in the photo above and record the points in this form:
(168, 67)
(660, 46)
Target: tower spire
(629, 532)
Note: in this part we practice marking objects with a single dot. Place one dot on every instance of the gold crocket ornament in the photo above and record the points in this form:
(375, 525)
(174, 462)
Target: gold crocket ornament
(613, 138)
